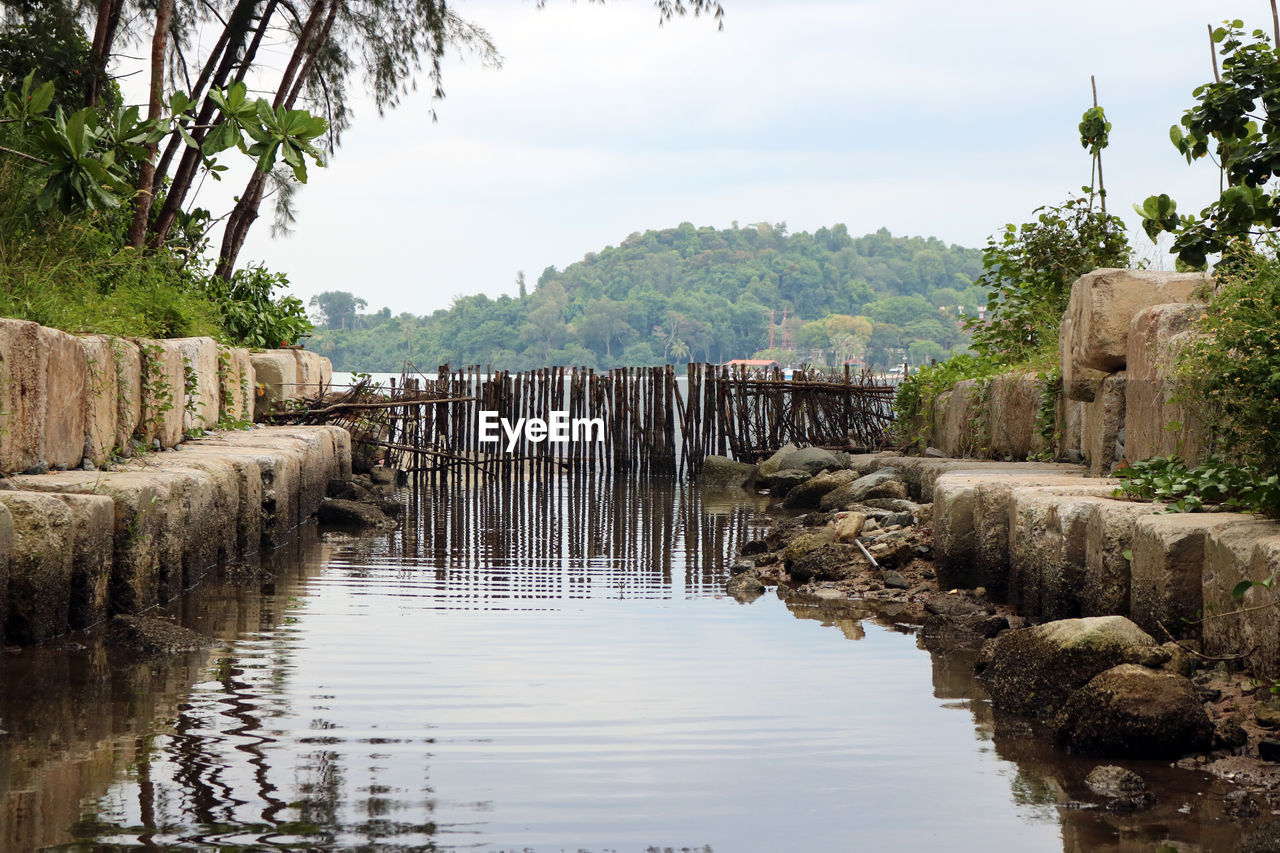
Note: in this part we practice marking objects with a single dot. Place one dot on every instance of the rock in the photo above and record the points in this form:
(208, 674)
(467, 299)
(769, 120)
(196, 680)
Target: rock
(1267, 715)
(894, 580)
(849, 527)
(1108, 780)
(806, 542)
(1034, 670)
(785, 480)
(954, 606)
(893, 550)
(345, 513)
(1269, 750)
(1132, 711)
(894, 505)
(1228, 734)
(934, 453)
(1179, 659)
(349, 490)
(389, 507)
(874, 485)
(900, 519)
(155, 636)
(1240, 804)
(721, 472)
(774, 463)
(808, 495)
(741, 566)
(381, 475)
(813, 460)
(753, 547)
(744, 587)
(827, 563)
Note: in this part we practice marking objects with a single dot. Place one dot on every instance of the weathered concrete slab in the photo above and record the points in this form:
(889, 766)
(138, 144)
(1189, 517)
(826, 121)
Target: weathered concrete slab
(276, 374)
(1103, 420)
(1168, 569)
(1249, 550)
(40, 567)
(24, 360)
(315, 373)
(163, 381)
(1110, 536)
(236, 383)
(1013, 416)
(128, 368)
(1047, 547)
(201, 397)
(101, 409)
(92, 535)
(66, 386)
(966, 422)
(1103, 304)
(6, 553)
(1157, 423)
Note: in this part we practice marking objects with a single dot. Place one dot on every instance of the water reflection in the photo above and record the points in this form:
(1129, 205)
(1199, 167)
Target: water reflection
(544, 667)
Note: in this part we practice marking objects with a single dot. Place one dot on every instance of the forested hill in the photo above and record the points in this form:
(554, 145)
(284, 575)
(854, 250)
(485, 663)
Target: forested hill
(688, 294)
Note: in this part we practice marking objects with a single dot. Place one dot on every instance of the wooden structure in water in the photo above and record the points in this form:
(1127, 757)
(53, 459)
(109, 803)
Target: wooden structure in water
(628, 421)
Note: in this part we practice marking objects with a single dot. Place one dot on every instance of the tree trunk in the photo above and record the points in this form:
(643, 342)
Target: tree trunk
(146, 178)
(104, 33)
(189, 165)
(242, 217)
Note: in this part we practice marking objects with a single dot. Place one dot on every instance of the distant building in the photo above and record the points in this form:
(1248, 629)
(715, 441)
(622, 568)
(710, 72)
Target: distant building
(752, 362)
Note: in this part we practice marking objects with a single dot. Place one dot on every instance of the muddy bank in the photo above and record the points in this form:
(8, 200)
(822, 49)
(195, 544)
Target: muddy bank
(853, 529)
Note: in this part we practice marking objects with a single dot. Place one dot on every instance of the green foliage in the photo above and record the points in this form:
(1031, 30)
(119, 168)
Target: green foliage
(1238, 119)
(689, 293)
(1094, 130)
(1217, 482)
(251, 313)
(157, 392)
(1234, 367)
(913, 405)
(1029, 269)
(1047, 412)
(48, 40)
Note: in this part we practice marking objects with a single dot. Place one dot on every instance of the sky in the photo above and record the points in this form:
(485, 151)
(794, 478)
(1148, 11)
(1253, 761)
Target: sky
(925, 117)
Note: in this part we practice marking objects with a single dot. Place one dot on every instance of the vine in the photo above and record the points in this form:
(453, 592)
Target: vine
(191, 402)
(1047, 412)
(157, 392)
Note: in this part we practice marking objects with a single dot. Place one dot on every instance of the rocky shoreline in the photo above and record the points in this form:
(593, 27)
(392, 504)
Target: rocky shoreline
(1098, 686)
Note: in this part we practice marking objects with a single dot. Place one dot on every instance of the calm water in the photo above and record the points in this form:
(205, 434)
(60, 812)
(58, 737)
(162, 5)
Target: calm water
(540, 668)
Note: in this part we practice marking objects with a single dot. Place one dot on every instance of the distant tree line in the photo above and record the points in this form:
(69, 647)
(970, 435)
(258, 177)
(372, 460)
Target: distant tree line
(689, 294)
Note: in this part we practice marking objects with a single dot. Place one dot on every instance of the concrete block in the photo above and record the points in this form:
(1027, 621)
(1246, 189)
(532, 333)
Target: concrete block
(6, 553)
(1249, 550)
(66, 387)
(39, 567)
(236, 383)
(201, 397)
(101, 408)
(1103, 304)
(163, 382)
(1079, 383)
(92, 536)
(1013, 415)
(249, 500)
(24, 361)
(315, 373)
(1071, 418)
(1157, 423)
(1107, 577)
(128, 371)
(966, 424)
(1167, 581)
(276, 375)
(1047, 547)
(1103, 420)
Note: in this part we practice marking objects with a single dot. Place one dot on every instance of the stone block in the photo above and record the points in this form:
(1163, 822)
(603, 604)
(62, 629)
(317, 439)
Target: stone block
(315, 373)
(236, 383)
(249, 499)
(1071, 418)
(1079, 383)
(1103, 420)
(163, 382)
(1157, 423)
(66, 388)
(39, 567)
(276, 376)
(101, 407)
(201, 395)
(1107, 576)
(966, 430)
(937, 433)
(1167, 570)
(24, 362)
(1013, 415)
(1103, 304)
(92, 535)
(6, 553)
(128, 373)
(1047, 548)
(1249, 550)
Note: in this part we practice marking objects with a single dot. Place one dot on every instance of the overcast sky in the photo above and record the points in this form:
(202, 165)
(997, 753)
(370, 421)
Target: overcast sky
(929, 118)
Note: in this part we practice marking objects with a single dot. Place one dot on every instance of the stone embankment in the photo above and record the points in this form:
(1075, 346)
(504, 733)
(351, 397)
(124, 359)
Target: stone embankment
(129, 469)
(1092, 604)
(1118, 398)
